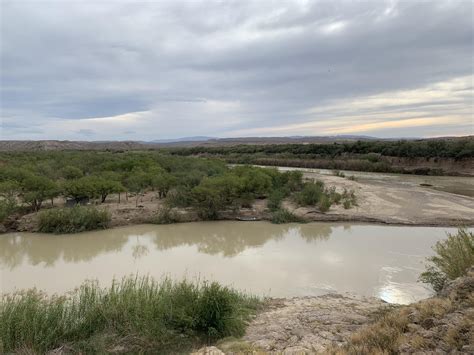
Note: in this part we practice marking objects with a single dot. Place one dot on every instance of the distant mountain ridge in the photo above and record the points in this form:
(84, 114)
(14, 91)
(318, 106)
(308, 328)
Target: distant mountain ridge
(183, 139)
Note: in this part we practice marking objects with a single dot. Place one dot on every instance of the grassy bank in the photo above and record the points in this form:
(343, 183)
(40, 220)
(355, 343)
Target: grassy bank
(135, 315)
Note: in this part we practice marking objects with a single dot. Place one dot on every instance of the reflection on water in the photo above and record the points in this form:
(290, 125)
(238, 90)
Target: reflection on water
(266, 259)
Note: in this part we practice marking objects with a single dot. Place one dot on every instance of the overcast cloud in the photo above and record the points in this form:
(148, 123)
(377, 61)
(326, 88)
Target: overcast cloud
(128, 70)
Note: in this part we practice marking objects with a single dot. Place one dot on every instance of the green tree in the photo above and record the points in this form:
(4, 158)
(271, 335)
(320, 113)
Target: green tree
(36, 189)
(104, 187)
(137, 182)
(9, 189)
(71, 172)
(163, 182)
(79, 189)
(208, 201)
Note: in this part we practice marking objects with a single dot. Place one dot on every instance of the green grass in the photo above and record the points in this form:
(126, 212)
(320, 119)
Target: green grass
(454, 256)
(73, 220)
(139, 314)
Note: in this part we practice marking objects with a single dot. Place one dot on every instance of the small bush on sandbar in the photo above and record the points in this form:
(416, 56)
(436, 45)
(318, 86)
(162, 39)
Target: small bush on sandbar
(454, 256)
(154, 317)
(275, 199)
(73, 220)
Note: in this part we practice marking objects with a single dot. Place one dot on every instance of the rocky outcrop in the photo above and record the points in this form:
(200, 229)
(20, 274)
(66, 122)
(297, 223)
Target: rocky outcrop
(335, 324)
(310, 324)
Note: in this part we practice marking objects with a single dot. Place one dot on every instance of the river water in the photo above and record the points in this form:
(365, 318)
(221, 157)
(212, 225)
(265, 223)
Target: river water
(258, 257)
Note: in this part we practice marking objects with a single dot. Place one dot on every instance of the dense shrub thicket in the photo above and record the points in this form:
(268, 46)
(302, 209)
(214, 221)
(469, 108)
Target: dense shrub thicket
(207, 185)
(369, 155)
(458, 149)
(140, 313)
(73, 220)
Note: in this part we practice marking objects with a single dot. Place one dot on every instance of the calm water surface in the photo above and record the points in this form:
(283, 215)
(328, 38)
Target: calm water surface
(262, 258)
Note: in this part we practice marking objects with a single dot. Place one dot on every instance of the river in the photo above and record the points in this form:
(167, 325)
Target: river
(258, 257)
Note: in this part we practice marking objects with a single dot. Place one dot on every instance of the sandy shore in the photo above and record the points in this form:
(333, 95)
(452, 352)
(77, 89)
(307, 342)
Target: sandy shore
(393, 201)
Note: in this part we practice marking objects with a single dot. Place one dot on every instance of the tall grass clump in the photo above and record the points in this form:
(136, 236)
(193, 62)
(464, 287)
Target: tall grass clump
(73, 220)
(282, 216)
(166, 216)
(454, 256)
(275, 199)
(151, 316)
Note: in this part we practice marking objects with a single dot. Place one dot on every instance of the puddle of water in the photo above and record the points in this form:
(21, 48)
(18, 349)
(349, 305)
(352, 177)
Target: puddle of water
(259, 257)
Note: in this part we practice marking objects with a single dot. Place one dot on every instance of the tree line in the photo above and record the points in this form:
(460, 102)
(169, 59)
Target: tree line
(460, 148)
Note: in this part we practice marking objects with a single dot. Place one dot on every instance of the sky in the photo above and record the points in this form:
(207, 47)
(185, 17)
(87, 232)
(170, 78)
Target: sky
(145, 70)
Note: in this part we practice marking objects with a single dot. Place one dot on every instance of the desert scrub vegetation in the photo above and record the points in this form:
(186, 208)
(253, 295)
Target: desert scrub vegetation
(141, 314)
(373, 156)
(166, 215)
(316, 194)
(454, 256)
(282, 216)
(208, 186)
(73, 220)
(438, 325)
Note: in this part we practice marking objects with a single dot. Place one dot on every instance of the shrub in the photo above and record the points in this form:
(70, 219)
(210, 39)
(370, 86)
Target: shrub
(179, 197)
(324, 203)
(454, 256)
(275, 199)
(158, 316)
(310, 194)
(349, 199)
(6, 209)
(166, 216)
(284, 216)
(73, 220)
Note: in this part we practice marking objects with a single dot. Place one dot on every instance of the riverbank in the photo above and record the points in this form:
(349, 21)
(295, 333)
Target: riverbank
(393, 200)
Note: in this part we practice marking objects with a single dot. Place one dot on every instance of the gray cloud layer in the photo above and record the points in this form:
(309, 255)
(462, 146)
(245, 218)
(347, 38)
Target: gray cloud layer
(145, 70)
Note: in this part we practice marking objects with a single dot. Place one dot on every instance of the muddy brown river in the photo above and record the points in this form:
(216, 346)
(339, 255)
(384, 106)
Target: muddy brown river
(259, 257)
